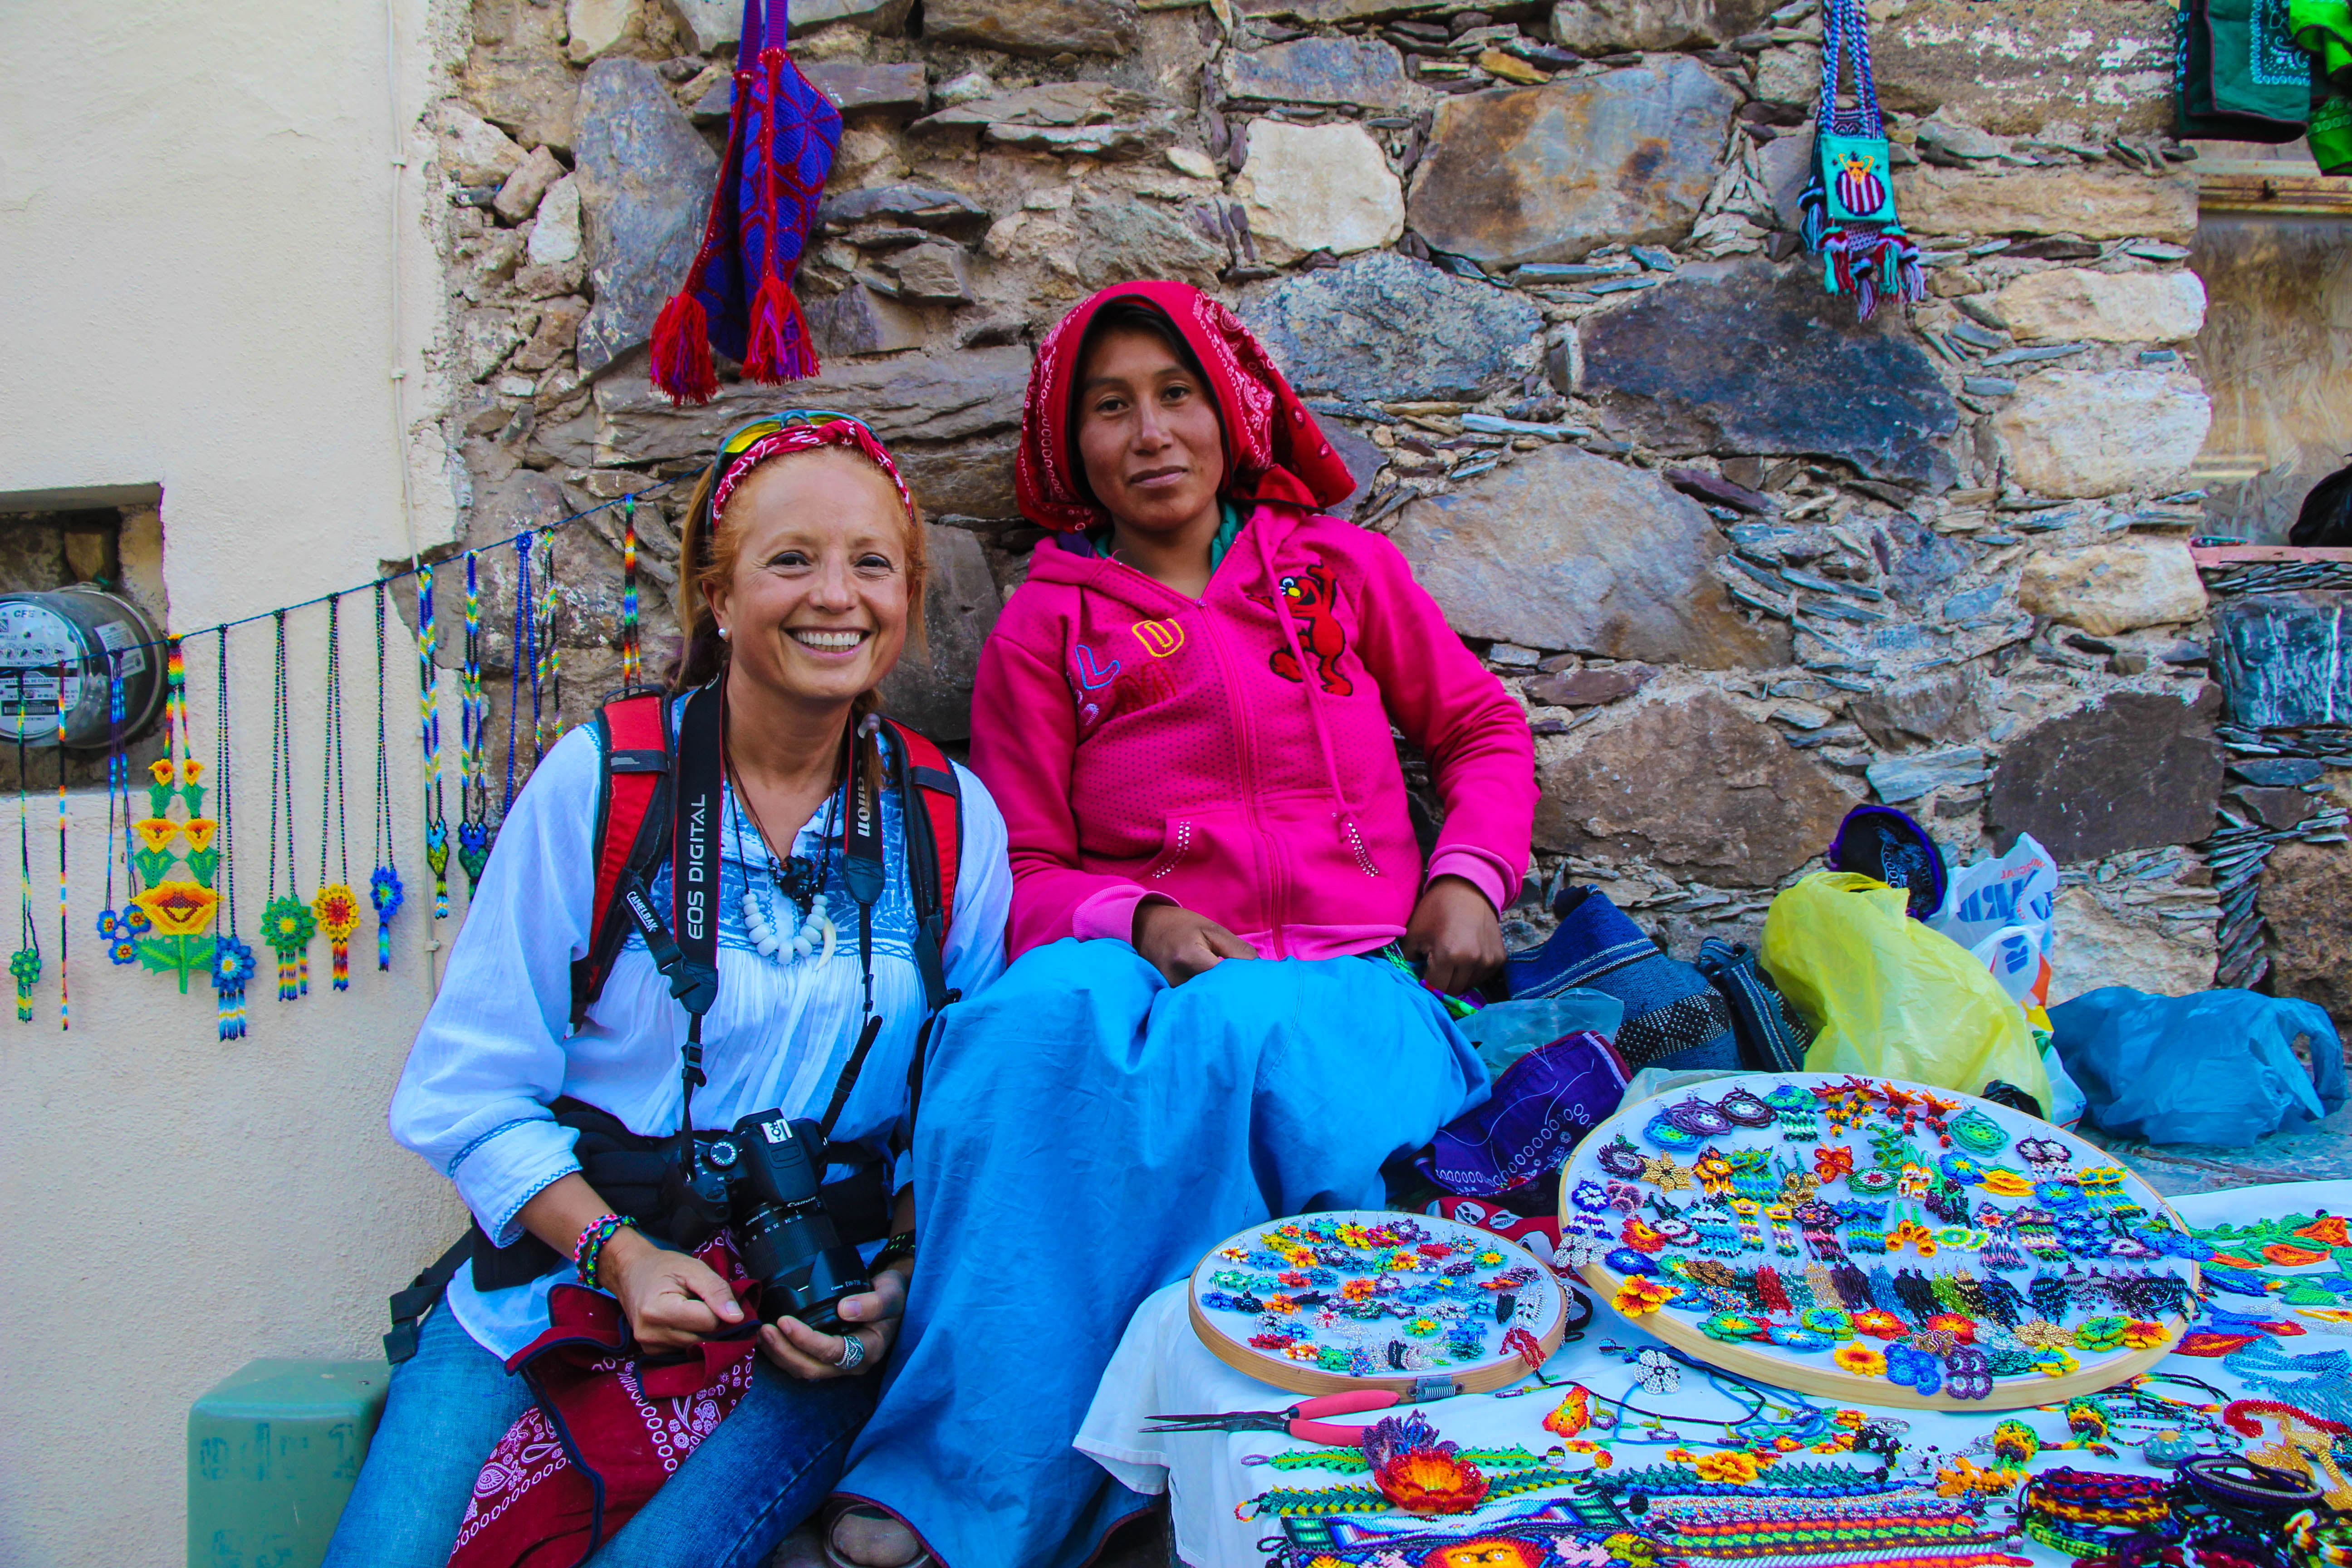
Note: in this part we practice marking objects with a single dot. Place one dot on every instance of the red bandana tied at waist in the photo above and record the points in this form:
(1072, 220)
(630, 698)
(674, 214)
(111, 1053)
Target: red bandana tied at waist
(1274, 449)
(631, 1425)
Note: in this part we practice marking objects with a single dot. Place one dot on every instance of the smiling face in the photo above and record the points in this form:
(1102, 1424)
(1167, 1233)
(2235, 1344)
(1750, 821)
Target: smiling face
(815, 606)
(1148, 433)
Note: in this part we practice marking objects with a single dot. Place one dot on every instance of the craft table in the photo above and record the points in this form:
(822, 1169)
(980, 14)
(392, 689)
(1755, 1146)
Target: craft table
(1210, 1479)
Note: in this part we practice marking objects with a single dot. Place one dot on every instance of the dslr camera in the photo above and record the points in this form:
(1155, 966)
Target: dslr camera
(766, 1175)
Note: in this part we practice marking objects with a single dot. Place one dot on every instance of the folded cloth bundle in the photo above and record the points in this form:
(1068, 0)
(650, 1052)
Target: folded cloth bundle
(1673, 1016)
(2239, 74)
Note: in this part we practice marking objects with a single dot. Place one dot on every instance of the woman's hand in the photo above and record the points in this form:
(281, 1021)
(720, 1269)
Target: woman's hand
(1180, 944)
(1454, 934)
(672, 1299)
(812, 1357)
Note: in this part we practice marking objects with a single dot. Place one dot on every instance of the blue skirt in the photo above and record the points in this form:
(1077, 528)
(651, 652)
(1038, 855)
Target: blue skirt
(1086, 1132)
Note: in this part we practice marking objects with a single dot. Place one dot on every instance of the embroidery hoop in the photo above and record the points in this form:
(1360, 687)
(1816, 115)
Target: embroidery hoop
(1815, 1373)
(1226, 1333)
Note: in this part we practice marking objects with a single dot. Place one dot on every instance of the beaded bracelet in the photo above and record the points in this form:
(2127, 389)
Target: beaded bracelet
(2316, 1537)
(588, 1252)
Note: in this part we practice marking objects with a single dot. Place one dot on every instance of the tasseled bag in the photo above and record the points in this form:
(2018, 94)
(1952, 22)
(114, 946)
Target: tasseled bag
(1849, 207)
(781, 133)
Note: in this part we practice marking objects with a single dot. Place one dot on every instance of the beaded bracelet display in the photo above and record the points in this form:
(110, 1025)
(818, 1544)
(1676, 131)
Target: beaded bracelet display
(2318, 1536)
(588, 1252)
(2083, 1513)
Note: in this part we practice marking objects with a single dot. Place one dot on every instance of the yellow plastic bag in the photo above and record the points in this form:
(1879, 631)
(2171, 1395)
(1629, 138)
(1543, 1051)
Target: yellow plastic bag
(1891, 997)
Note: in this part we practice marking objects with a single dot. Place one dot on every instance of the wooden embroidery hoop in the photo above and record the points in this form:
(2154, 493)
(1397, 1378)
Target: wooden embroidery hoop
(1298, 1377)
(1816, 1375)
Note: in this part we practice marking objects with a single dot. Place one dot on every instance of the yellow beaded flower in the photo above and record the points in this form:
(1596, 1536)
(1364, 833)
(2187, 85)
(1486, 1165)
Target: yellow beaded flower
(1859, 1358)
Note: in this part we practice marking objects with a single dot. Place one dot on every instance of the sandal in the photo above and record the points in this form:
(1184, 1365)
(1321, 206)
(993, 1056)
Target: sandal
(879, 1534)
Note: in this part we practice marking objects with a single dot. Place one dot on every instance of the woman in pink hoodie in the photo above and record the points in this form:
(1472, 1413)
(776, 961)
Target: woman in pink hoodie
(1186, 715)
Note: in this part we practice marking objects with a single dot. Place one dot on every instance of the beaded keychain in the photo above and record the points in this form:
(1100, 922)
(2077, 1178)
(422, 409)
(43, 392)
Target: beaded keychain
(287, 923)
(233, 962)
(24, 963)
(384, 890)
(475, 829)
(336, 906)
(429, 732)
(630, 655)
(120, 927)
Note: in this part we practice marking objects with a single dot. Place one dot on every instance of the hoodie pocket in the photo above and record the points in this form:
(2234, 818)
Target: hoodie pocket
(1176, 841)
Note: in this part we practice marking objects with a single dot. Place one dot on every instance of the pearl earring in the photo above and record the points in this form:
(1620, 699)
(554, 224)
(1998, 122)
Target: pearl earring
(722, 633)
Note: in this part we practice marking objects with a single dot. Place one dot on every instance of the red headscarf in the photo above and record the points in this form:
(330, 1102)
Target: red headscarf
(1274, 448)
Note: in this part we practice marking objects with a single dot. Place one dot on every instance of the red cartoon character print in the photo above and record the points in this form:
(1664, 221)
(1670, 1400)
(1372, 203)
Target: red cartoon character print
(1311, 596)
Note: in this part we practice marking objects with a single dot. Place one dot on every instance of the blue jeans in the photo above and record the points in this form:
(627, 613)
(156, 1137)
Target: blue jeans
(767, 1468)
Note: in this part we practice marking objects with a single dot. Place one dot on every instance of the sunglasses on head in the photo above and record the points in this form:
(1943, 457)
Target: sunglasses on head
(739, 440)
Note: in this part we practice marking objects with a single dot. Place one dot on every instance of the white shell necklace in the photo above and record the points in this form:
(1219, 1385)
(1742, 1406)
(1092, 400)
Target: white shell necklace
(807, 933)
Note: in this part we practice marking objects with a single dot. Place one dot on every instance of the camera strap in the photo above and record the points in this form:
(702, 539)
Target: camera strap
(864, 870)
(690, 959)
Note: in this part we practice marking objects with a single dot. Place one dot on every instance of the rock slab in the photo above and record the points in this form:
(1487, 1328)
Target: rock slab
(1736, 807)
(1034, 27)
(2094, 946)
(1613, 26)
(2307, 898)
(2110, 588)
(2032, 63)
(950, 421)
(1591, 688)
(1336, 71)
(1385, 326)
(2093, 203)
(1565, 550)
(2096, 432)
(1942, 705)
(1545, 173)
(2283, 663)
(1744, 357)
(2139, 769)
(1120, 241)
(645, 176)
(2071, 304)
(1318, 187)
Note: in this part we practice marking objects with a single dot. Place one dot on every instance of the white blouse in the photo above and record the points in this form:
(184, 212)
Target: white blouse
(496, 1050)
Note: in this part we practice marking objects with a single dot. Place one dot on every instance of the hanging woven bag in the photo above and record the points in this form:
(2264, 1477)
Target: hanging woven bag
(1849, 205)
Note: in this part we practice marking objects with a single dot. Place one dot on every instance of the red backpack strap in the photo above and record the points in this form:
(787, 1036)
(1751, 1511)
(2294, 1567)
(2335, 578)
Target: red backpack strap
(925, 777)
(632, 828)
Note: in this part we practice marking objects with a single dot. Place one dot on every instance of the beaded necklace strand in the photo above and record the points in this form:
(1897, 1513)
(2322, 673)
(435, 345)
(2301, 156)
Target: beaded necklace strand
(548, 671)
(474, 828)
(118, 926)
(24, 963)
(629, 642)
(336, 906)
(798, 880)
(287, 923)
(429, 732)
(384, 890)
(233, 962)
(522, 656)
(65, 1005)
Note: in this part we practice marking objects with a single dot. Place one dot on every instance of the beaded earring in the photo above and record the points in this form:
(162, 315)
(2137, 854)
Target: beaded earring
(384, 890)
(428, 731)
(233, 962)
(1977, 1133)
(288, 922)
(336, 906)
(474, 829)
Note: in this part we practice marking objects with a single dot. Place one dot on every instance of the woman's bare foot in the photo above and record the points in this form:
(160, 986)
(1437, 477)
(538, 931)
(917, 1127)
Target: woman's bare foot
(862, 1537)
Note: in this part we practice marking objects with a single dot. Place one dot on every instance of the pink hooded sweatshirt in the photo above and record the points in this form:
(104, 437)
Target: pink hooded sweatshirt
(1140, 743)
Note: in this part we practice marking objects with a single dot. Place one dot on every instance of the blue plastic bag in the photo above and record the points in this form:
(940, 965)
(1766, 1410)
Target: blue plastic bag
(2217, 1067)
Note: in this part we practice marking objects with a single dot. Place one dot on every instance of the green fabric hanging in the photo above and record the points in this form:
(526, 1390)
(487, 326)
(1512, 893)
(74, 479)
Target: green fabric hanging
(2323, 30)
(2331, 135)
(2239, 73)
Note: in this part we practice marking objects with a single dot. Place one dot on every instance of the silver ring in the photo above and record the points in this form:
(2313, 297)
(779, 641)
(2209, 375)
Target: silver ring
(853, 1352)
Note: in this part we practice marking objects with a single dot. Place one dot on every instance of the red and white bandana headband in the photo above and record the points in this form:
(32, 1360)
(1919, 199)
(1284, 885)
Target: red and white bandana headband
(838, 431)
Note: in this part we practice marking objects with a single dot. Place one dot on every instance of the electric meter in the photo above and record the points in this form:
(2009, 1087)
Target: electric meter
(60, 654)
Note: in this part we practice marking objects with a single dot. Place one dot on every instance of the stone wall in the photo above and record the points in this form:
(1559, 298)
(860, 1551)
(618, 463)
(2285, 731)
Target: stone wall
(1746, 561)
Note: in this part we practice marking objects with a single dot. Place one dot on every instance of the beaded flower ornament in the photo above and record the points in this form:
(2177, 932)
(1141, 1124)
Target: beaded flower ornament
(1880, 1241)
(1367, 1299)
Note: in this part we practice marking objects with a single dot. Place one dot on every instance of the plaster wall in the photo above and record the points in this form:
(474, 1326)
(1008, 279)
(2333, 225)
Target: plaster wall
(197, 212)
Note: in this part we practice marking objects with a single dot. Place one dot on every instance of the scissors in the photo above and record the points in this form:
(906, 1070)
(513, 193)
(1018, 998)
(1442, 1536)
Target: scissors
(1301, 1420)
